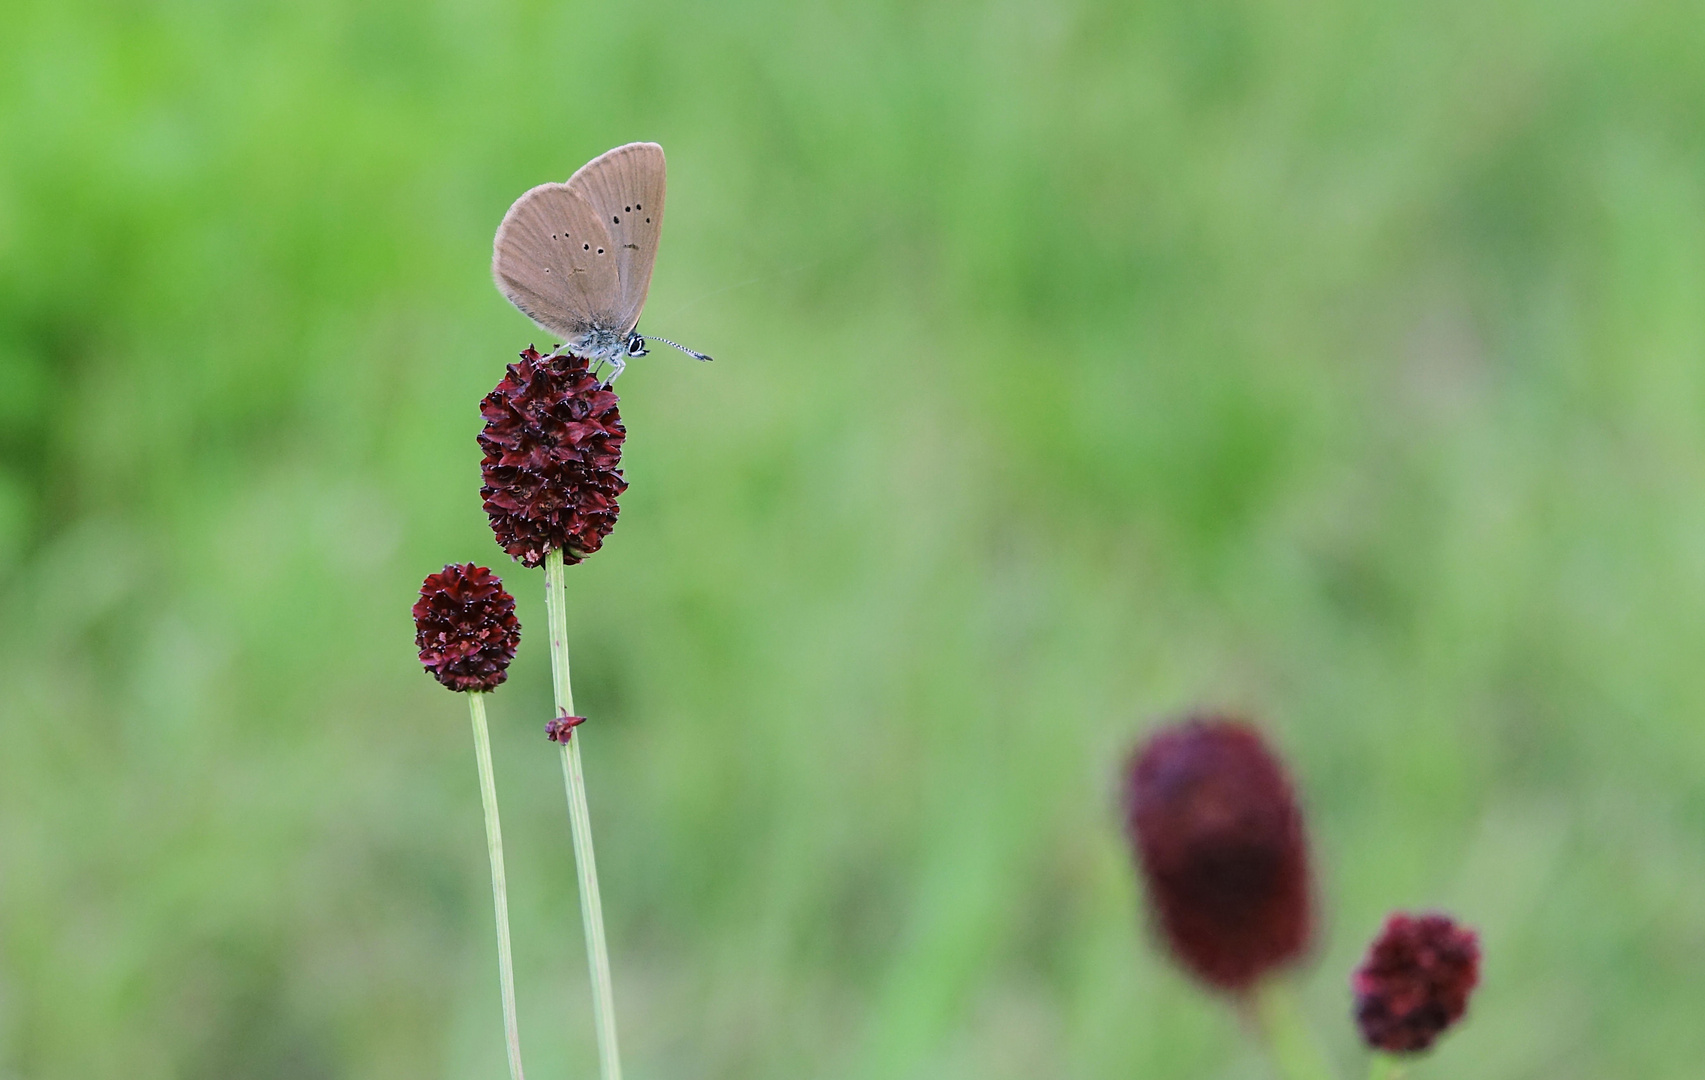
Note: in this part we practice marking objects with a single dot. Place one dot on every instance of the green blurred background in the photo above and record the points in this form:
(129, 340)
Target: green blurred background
(1077, 363)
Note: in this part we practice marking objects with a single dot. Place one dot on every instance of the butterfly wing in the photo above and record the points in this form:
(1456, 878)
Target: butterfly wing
(555, 261)
(625, 188)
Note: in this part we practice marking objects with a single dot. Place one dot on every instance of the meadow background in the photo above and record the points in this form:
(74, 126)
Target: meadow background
(1077, 363)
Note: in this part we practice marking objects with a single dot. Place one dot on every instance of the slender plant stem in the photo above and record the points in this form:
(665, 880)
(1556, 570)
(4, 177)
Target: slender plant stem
(1385, 1067)
(1291, 1046)
(499, 890)
(580, 825)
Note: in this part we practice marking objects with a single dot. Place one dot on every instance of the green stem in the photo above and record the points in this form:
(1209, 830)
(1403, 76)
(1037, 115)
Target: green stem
(499, 890)
(1385, 1067)
(1290, 1044)
(580, 824)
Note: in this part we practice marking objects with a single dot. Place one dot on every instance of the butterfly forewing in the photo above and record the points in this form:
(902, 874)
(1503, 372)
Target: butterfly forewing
(554, 259)
(625, 188)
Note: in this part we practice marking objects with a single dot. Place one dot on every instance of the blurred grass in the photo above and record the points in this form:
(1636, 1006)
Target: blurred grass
(1077, 363)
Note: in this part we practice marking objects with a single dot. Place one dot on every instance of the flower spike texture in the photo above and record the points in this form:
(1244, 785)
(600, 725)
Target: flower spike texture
(465, 627)
(551, 471)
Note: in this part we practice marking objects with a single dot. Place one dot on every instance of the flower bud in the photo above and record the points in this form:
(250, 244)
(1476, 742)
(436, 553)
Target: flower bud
(465, 627)
(1415, 981)
(1218, 836)
(562, 728)
(553, 450)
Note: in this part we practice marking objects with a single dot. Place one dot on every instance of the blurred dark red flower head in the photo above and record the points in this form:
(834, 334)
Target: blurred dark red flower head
(553, 450)
(1415, 981)
(1219, 838)
(465, 627)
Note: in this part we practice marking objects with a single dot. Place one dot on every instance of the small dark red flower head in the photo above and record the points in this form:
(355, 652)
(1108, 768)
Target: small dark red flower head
(553, 450)
(1415, 981)
(464, 624)
(1219, 838)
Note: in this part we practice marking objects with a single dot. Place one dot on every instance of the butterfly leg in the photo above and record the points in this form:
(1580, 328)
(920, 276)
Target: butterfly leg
(617, 366)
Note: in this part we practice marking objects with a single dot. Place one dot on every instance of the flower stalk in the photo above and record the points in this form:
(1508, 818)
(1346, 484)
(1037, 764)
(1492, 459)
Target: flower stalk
(1385, 1067)
(499, 888)
(580, 823)
(466, 631)
(1291, 1047)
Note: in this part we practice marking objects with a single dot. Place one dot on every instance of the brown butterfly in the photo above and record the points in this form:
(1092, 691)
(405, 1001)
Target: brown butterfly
(576, 258)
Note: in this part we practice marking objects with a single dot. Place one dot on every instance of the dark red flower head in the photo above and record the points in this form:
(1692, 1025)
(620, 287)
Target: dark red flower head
(1219, 838)
(553, 446)
(1415, 981)
(464, 624)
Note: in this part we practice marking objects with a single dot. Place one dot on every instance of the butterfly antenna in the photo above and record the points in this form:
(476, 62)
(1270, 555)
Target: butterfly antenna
(678, 345)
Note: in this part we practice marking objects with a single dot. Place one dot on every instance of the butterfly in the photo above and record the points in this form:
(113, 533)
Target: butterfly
(576, 258)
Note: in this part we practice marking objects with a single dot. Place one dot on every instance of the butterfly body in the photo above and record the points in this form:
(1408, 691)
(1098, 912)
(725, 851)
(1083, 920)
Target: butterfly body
(576, 257)
(605, 345)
